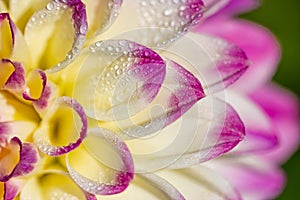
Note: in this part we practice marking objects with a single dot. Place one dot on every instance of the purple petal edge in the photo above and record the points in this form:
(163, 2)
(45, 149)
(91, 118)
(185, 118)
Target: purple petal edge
(27, 96)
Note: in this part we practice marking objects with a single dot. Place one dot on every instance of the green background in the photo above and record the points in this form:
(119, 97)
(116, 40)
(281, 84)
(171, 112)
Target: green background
(283, 19)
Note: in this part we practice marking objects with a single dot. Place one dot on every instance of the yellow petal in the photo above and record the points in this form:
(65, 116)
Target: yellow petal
(6, 69)
(6, 37)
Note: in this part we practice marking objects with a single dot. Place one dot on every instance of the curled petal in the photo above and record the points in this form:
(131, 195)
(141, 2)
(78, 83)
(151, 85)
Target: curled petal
(49, 94)
(36, 83)
(200, 182)
(215, 62)
(51, 185)
(9, 157)
(45, 32)
(7, 36)
(28, 160)
(209, 129)
(259, 44)
(6, 70)
(110, 164)
(59, 131)
(100, 21)
(118, 79)
(156, 23)
(16, 80)
(178, 93)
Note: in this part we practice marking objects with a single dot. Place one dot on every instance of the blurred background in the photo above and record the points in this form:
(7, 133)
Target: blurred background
(282, 18)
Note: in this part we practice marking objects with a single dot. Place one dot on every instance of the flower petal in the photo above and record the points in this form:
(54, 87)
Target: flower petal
(22, 10)
(155, 23)
(45, 32)
(6, 35)
(261, 135)
(254, 181)
(110, 164)
(282, 107)
(200, 183)
(259, 44)
(214, 6)
(6, 70)
(18, 128)
(118, 79)
(178, 93)
(148, 186)
(10, 189)
(36, 83)
(59, 131)
(215, 62)
(209, 129)
(28, 160)
(49, 94)
(3, 7)
(16, 81)
(100, 21)
(9, 157)
(51, 185)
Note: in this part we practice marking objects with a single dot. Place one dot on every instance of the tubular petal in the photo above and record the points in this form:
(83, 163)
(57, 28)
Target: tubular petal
(209, 129)
(216, 63)
(260, 45)
(110, 164)
(62, 129)
(36, 83)
(200, 183)
(46, 31)
(50, 185)
(100, 21)
(118, 79)
(155, 23)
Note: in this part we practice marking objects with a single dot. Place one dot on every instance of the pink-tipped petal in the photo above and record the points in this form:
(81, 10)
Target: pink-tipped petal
(155, 23)
(282, 107)
(259, 44)
(36, 83)
(179, 92)
(110, 164)
(254, 181)
(234, 7)
(118, 79)
(16, 81)
(28, 160)
(215, 62)
(261, 135)
(9, 157)
(45, 32)
(59, 132)
(11, 189)
(209, 129)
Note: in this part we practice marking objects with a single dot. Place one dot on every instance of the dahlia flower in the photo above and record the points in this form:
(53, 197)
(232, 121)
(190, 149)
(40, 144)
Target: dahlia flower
(104, 99)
